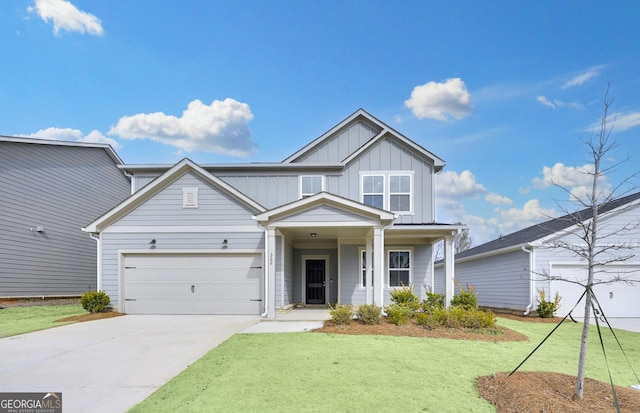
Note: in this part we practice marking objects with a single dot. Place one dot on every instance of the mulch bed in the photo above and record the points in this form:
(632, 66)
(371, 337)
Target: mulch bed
(552, 392)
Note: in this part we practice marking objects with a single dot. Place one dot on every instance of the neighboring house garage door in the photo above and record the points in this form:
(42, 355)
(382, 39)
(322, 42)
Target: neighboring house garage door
(617, 299)
(193, 283)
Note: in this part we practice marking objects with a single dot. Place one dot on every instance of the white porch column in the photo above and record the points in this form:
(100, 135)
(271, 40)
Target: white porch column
(378, 265)
(448, 271)
(368, 273)
(270, 284)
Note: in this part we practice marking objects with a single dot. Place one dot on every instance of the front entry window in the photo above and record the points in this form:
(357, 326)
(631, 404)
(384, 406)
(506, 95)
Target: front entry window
(399, 268)
(363, 266)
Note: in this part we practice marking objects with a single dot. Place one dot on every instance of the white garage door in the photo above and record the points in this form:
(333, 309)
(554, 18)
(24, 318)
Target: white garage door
(193, 284)
(616, 299)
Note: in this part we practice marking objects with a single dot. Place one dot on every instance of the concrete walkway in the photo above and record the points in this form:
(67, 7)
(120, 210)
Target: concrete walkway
(111, 365)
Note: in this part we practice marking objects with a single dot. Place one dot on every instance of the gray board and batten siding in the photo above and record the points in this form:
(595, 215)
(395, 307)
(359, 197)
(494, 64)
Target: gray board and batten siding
(280, 185)
(49, 191)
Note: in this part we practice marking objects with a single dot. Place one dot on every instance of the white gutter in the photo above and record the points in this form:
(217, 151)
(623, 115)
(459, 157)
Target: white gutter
(99, 261)
(266, 274)
(532, 281)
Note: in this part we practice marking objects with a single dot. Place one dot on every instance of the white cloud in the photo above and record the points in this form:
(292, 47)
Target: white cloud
(440, 101)
(450, 185)
(558, 103)
(514, 219)
(626, 121)
(65, 16)
(582, 78)
(73, 135)
(578, 180)
(497, 199)
(222, 127)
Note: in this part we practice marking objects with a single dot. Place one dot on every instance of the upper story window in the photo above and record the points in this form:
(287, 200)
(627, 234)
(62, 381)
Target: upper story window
(190, 197)
(310, 185)
(392, 191)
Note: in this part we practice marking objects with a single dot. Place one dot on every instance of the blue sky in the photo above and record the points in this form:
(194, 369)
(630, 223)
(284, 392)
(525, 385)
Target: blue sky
(504, 91)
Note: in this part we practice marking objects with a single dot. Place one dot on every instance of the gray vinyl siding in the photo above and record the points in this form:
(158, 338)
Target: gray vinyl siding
(325, 213)
(285, 284)
(113, 243)
(273, 189)
(214, 207)
(62, 189)
(501, 281)
(343, 144)
(350, 272)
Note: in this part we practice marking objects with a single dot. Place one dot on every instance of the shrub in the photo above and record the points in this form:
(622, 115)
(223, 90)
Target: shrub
(341, 314)
(477, 319)
(466, 299)
(95, 301)
(433, 302)
(405, 297)
(427, 321)
(398, 315)
(369, 314)
(546, 309)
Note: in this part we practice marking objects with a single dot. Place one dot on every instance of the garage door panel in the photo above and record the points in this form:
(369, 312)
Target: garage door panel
(618, 300)
(193, 284)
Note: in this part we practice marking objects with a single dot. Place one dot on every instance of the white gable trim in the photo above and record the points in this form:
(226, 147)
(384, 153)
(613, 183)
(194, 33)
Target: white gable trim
(325, 198)
(158, 184)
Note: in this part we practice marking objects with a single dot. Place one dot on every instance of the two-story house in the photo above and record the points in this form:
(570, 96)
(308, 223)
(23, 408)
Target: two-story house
(346, 219)
(48, 191)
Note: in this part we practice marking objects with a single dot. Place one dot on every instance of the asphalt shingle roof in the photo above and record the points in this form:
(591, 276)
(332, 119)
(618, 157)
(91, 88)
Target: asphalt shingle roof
(538, 231)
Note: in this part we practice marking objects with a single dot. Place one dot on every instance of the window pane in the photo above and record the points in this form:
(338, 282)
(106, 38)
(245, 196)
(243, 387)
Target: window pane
(399, 203)
(399, 259)
(311, 185)
(374, 201)
(373, 184)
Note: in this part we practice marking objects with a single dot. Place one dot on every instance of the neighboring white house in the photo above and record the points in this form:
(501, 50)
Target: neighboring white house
(346, 219)
(506, 272)
(48, 191)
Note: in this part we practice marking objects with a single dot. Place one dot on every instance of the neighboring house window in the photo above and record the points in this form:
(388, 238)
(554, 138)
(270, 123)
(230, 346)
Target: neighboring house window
(310, 185)
(373, 190)
(399, 268)
(363, 266)
(392, 191)
(190, 197)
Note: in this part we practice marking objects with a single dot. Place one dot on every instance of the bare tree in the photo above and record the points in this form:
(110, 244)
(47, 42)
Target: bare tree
(598, 246)
(461, 242)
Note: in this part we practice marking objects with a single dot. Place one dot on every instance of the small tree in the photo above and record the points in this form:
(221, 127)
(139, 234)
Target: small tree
(598, 246)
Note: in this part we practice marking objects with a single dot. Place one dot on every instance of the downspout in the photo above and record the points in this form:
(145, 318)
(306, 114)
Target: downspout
(532, 281)
(99, 261)
(266, 274)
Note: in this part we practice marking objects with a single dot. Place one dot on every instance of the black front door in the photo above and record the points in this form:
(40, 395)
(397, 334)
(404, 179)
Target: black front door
(315, 281)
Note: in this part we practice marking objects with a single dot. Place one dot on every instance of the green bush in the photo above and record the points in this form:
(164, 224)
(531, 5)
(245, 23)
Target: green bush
(369, 313)
(399, 315)
(457, 317)
(546, 309)
(341, 314)
(427, 320)
(405, 297)
(95, 301)
(433, 302)
(466, 299)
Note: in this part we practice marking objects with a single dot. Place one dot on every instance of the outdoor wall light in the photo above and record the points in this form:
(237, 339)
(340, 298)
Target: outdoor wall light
(313, 235)
(152, 243)
(38, 228)
(224, 244)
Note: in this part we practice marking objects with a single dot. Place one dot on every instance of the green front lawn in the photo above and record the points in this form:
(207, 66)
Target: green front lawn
(312, 372)
(19, 320)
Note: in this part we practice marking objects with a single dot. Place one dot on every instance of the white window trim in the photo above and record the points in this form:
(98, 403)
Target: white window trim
(361, 250)
(388, 268)
(186, 194)
(322, 185)
(386, 196)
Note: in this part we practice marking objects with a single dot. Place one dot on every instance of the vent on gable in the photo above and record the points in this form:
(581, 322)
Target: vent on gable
(190, 197)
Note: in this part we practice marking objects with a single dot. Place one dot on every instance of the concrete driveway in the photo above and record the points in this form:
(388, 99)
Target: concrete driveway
(111, 365)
